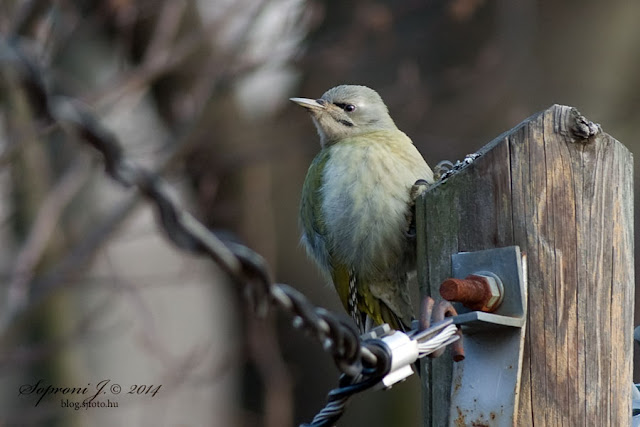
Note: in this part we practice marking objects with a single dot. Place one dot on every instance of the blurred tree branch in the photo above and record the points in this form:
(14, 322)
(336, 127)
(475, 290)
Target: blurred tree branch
(178, 51)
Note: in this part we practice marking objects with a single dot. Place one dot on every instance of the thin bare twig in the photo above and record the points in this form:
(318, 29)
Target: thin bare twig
(165, 30)
(41, 231)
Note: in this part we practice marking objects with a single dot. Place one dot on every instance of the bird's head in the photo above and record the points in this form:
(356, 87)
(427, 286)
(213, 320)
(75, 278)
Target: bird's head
(347, 111)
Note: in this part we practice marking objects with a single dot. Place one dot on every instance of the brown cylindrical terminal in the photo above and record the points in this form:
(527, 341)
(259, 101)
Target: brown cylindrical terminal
(474, 292)
(457, 349)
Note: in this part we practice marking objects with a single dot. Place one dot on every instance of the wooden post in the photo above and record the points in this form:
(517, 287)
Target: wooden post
(561, 189)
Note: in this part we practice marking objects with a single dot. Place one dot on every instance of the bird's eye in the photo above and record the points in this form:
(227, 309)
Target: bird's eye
(346, 107)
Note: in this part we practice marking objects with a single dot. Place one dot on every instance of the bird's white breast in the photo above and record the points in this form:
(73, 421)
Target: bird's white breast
(365, 198)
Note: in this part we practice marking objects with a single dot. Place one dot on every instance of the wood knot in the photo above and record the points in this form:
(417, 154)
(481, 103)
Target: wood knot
(583, 128)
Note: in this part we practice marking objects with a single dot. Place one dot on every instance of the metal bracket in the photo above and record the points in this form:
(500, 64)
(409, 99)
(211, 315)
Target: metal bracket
(486, 384)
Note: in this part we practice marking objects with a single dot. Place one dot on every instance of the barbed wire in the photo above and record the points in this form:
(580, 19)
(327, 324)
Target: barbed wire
(363, 362)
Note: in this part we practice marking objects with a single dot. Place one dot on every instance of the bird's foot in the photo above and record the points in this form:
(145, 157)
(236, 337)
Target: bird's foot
(442, 169)
(418, 189)
(410, 233)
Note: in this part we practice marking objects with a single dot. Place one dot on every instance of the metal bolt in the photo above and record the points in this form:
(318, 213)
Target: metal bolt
(482, 291)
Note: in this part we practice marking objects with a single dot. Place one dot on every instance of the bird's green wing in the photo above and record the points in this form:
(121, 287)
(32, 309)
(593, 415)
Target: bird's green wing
(342, 278)
(311, 204)
(314, 228)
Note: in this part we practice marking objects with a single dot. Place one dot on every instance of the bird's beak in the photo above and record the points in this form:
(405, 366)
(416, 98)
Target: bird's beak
(310, 104)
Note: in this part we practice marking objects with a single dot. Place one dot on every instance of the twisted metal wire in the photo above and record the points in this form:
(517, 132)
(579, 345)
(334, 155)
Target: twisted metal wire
(244, 266)
(363, 363)
(436, 337)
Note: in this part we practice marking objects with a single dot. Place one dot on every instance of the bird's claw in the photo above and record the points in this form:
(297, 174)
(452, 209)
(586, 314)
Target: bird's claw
(418, 189)
(442, 168)
(410, 234)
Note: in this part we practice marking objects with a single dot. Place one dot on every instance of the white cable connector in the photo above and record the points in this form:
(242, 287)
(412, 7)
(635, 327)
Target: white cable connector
(405, 350)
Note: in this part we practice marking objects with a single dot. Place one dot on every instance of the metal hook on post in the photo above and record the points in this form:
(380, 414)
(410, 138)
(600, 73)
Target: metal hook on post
(431, 313)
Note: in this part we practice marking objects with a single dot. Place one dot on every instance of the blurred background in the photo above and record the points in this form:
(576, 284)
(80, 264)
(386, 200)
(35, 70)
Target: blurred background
(197, 90)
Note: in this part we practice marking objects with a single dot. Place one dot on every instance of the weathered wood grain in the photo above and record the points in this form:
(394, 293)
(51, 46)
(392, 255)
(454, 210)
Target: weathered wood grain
(561, 189)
